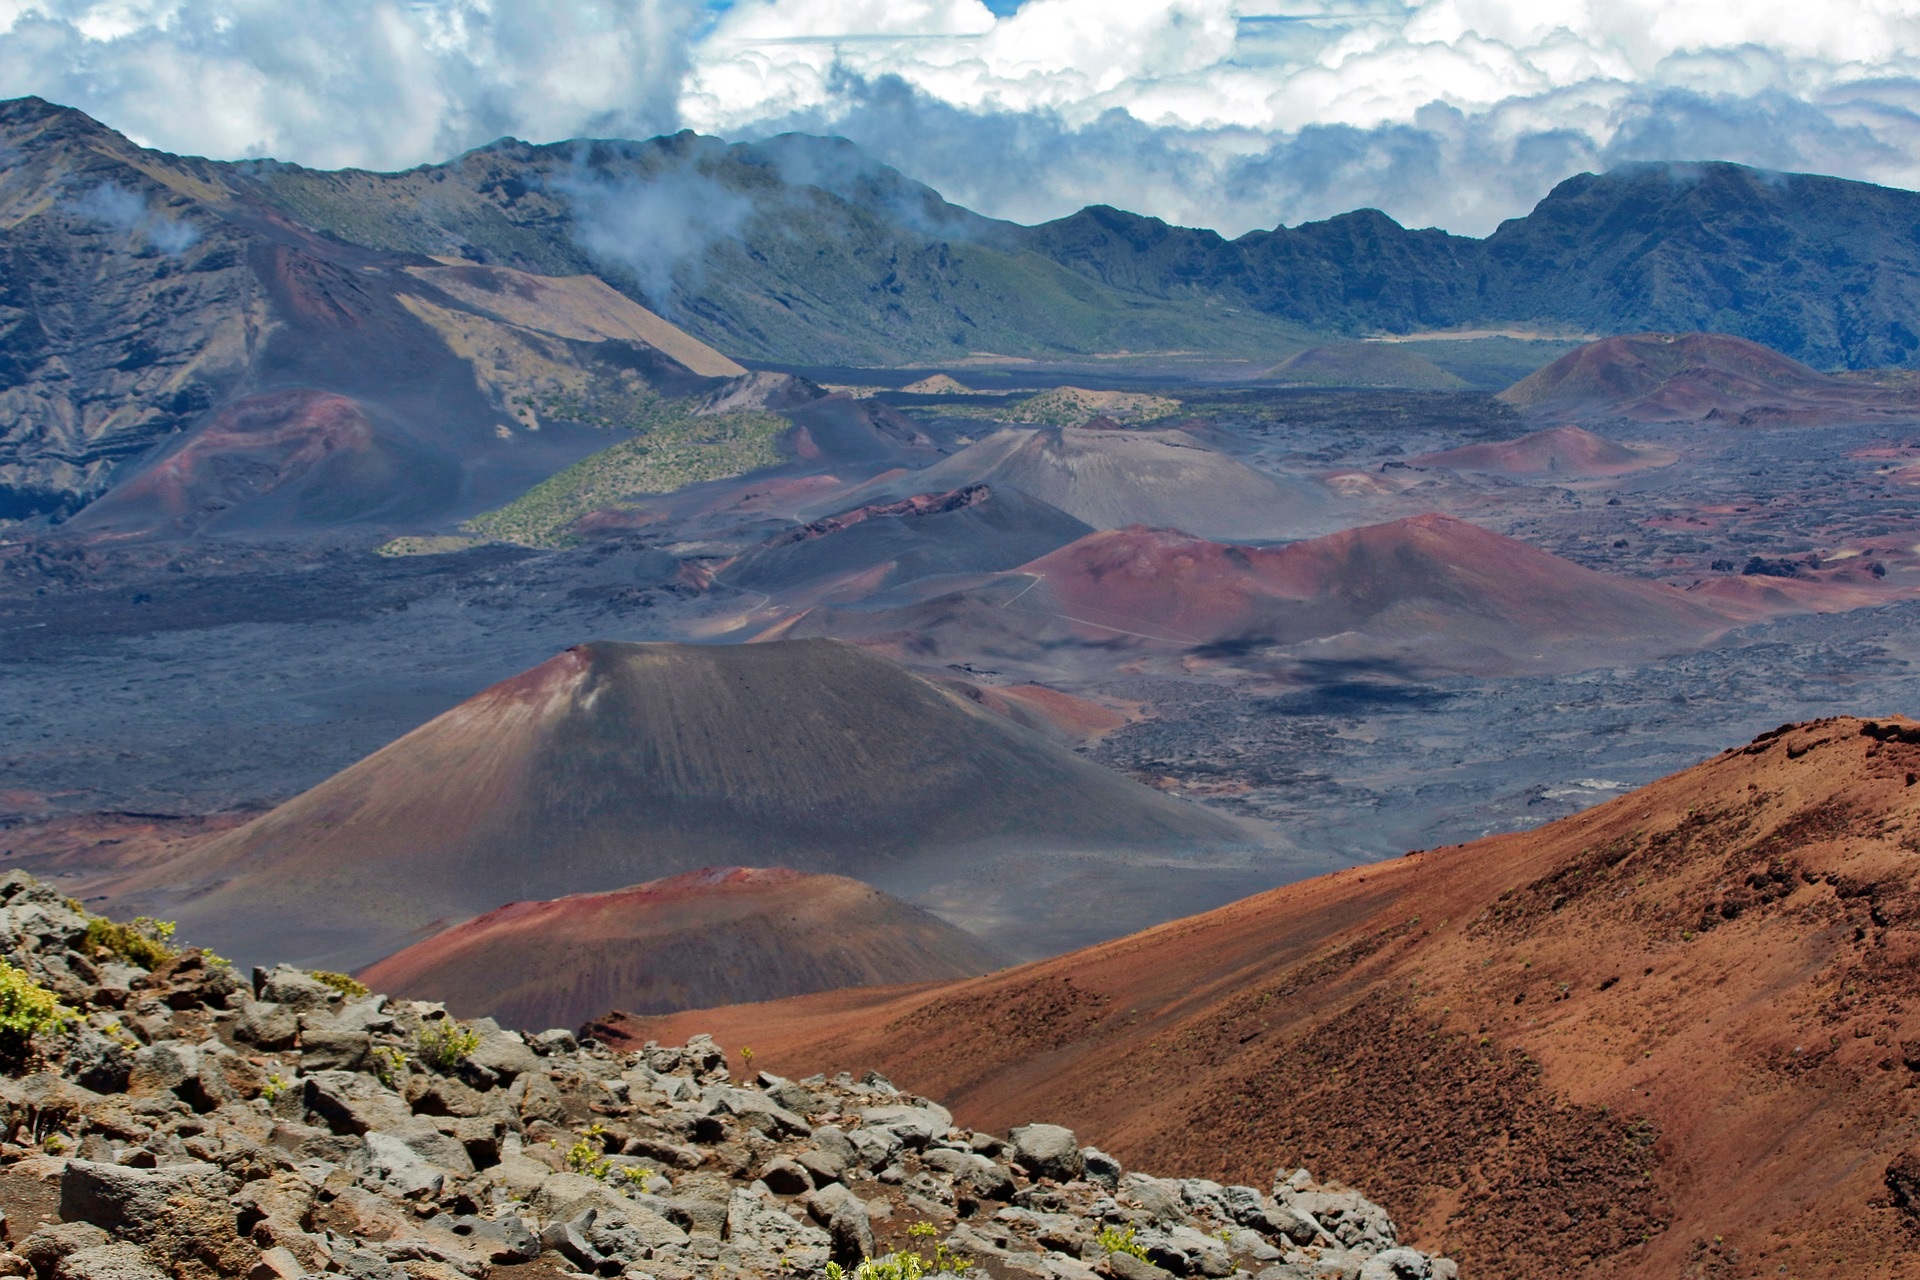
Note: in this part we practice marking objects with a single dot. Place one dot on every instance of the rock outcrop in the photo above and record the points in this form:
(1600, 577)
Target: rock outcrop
(179, 1121)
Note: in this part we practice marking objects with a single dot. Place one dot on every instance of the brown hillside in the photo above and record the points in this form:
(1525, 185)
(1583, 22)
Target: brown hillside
(1430, 593)
(713, 936)
(1678, 1034)
(1565, 452)
(1687, 377)
(1110, 476)
(613, 764)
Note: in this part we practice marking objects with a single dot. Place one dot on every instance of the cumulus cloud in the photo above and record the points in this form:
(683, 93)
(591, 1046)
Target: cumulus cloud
(372, 83)
(1233, 114)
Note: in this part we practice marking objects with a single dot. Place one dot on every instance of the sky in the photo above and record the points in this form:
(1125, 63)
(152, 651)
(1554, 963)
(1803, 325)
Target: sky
(1230, 114)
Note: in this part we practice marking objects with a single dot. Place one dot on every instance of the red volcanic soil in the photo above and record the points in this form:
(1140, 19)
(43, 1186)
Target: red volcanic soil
(1566, 452)
(298, 456)
(1675, 1035)
(87, 849)
(1687, 377)
(714, 936)
(1431, 593)
(615, 764)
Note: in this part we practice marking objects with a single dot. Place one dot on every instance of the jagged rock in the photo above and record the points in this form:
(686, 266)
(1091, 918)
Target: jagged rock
(1397, 1264)
(1048, 1151)
(850, 1233)
(47, 1245)
(501, 1053)
(395, 1165)
(331, 1049)
(308, 1154)
(786, 1177)
(180, 1212)
(298, 991)
(504, 1240)
(1099, 1167)
(559, 1042)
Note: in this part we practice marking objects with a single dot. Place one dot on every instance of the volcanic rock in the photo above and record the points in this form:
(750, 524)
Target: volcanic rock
(273, 1186)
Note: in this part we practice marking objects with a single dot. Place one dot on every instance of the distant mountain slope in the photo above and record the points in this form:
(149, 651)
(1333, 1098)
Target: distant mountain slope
(162, 318)
(720, 935)
(1674, 1035)
(614, 764)
(1686, 377)
(142, 292)
(1822, 269)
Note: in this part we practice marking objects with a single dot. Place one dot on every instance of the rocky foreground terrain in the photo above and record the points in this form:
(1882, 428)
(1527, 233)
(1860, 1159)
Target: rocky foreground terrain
(167, 1118)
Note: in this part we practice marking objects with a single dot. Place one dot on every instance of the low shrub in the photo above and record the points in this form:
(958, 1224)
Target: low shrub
(26, 1009)
(143, 941)
(445, 1044)
(351, 988)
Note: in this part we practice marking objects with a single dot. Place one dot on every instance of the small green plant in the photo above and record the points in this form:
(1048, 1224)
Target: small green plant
(389, 1065)
(27, 1008)
(1120, 1240)
(144, 941)
(637, 1178)
(746, 1058)
(907, 1264)
(445, 1044)
(273, 1088)
(54, 1144)
(346, 986)
(588, 1157)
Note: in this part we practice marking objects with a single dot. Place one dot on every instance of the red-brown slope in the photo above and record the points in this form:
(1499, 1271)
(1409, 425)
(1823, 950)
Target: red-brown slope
(311, 457)
(1686, 377)
(1430, 593)
(1668, 1036)
(1566, 452)
(613, 764)
(714, 936)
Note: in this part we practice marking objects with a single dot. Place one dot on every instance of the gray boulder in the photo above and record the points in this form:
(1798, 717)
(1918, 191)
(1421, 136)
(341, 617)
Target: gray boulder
(1048, 1151)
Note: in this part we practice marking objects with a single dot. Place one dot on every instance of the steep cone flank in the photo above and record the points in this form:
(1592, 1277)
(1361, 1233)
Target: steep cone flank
(1114, 477)
(1668, 1036)
(1565, 452)
(613, 764)
(1684, 377)
(715, 936)
(1430, 592)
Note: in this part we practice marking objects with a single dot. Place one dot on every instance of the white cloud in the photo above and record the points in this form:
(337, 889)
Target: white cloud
(1229, 113)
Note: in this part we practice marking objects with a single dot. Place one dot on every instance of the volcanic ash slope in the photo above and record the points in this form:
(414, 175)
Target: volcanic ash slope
(1114, 476)
(722, 935)
(1429, 594)
(614, 764)
(1686, 377)
(1676, 1034)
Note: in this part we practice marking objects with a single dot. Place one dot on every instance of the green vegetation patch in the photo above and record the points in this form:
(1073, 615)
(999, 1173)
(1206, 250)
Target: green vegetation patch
(678, 450)
(1073, 407)
(27, 1008)
(145, 942)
